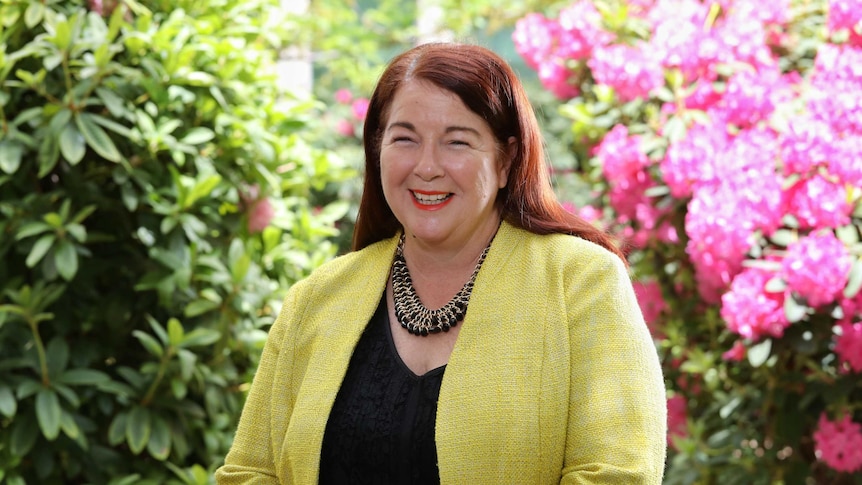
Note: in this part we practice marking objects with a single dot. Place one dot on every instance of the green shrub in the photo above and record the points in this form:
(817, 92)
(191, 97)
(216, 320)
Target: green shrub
(143, 150)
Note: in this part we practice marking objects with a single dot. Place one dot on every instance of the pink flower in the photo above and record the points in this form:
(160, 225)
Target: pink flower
(360, 108)
(557, 78)
(848, 345)
(260, 214)
(621, 155)
(816, 267)
(736, 353)
(343, 96)
(750, 310)
(631, 71)
(846, 14)
(688, 162)
(751, 96)
(96, 6)
(582, 30)
(806, 144)
(652, 304)
(839, 443)
(345, 128)
(535, 38)
(818, 203)
(677, 419)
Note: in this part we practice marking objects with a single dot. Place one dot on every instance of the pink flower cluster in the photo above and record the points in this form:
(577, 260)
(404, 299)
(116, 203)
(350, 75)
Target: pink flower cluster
(677, 419)
(652, 304)
(750, 310)
(846, 15)
(839, 443)
(258, 209)
(551, 45)
(817, 267)
(358, 107)
(848, 346)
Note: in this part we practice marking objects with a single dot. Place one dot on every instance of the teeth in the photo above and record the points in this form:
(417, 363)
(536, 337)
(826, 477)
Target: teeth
(425, 199)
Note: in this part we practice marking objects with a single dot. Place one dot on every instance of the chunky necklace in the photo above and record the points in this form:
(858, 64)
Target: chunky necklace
(410, 311)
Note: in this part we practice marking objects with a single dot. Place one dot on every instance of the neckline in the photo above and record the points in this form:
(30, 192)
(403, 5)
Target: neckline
(394, 350)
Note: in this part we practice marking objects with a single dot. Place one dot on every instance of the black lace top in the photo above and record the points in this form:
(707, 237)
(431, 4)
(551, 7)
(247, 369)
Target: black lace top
(381, 428)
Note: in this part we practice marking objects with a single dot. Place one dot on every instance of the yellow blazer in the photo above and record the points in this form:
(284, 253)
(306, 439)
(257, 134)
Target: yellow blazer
(553, 379)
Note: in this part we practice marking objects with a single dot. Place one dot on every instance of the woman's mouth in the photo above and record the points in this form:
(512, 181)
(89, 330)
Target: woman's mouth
(431, 200)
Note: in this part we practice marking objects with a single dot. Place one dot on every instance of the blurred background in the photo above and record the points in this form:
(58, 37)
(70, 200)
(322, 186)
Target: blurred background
(169, 169)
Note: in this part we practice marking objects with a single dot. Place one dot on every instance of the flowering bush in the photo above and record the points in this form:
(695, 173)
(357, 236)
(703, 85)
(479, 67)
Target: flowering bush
(725, 138)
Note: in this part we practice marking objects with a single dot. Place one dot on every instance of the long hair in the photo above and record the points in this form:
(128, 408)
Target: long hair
(487, 86)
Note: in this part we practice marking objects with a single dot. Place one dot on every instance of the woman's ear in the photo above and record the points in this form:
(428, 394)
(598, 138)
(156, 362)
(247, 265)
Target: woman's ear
(508, 155)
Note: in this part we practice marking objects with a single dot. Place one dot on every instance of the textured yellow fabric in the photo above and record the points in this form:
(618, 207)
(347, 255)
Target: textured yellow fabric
(554, 377)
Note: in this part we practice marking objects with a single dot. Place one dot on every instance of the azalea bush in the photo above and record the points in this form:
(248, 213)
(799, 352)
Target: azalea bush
(157, 199)
(723, 140)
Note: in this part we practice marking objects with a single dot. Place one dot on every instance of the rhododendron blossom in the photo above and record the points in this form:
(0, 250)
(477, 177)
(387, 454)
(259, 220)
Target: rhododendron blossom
(343, 96)
(839, 443)
(817, 267)
(817, 202)
(260, 214)
(360, 108)
(846, 15)
(677, 419)
(848, 345)
(652, 304)
(750, 310)
(736, 353)
(535, 38)
(631, 71)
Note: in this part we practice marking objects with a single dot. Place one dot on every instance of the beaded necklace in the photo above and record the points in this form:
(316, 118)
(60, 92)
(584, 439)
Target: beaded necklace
(412, 314)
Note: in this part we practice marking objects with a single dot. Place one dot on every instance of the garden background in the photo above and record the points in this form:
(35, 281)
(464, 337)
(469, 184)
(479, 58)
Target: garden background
(169, 168)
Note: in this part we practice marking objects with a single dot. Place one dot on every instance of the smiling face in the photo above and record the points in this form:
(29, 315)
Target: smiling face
(441, 167)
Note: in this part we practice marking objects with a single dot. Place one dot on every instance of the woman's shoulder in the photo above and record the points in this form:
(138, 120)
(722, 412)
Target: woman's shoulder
(562, 249)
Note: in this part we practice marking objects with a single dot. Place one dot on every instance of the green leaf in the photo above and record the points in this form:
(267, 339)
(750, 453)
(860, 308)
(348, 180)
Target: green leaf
(31, 229)
(775, 285)
(72, 144)
(730, 407)
(96, 137)
(793, 310)
(117, 429)
(159, 444)
(83, 377)
(57, 356)
(138, 429)
(10, 155)
(175, 332)
(49, 154)
(39, 250)
(199, 135)
(23, 437)
(199, 307)
(48, 413)
(202, 189)
(854, 281)
(34, 13)
(201, 337)
(69, 426)
(8, 404)
(759, 353)
(151, 344)
(66, 259)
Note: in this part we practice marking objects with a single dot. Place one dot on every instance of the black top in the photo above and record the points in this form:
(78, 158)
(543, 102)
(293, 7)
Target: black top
(381, 428)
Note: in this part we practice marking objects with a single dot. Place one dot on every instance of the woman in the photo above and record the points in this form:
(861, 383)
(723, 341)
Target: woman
(534, 365)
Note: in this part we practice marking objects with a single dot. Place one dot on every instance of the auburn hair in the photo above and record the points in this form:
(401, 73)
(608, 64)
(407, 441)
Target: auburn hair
(488, 86)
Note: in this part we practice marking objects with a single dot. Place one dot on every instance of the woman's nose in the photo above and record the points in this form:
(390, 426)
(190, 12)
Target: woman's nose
(428, 165)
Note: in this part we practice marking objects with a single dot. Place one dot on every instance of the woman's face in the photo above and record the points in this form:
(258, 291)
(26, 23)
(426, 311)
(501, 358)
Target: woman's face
(441, 167)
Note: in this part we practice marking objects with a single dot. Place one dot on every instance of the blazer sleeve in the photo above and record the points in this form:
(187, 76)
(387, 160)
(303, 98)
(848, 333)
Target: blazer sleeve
(251, 456)
(617, 412)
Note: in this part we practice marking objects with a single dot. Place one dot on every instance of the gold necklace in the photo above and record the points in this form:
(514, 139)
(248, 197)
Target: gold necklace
(409, 310)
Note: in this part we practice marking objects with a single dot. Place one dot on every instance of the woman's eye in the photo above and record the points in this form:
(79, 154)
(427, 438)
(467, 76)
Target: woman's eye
(459, 142)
